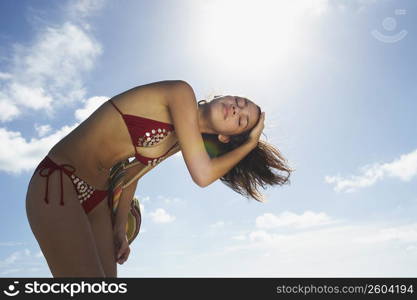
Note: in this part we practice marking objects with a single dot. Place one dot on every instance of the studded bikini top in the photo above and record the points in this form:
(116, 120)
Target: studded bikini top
(146, 132)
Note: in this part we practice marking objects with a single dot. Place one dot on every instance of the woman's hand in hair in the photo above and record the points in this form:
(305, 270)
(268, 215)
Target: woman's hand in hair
(256, 131)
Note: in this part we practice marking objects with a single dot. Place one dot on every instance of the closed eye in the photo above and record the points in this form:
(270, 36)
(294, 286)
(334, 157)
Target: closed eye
(246, 104)
(237, 102)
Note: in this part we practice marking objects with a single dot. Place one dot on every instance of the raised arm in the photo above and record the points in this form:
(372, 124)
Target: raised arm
(184, 111)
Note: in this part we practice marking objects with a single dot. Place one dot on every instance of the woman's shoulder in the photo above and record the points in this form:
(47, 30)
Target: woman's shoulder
(159, 92)
(176, 85)
(146, 100)
(173, 89)
(179, 93)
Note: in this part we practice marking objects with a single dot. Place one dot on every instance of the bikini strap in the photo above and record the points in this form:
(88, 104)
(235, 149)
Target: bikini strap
(133, 142)
(52, 167)
(114, 105)
(172, 147)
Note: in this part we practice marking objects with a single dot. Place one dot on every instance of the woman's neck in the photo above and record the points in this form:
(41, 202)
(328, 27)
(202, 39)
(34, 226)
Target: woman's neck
(203, 124)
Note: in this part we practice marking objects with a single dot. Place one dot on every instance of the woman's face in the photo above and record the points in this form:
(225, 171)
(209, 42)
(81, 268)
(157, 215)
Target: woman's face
(231, 115)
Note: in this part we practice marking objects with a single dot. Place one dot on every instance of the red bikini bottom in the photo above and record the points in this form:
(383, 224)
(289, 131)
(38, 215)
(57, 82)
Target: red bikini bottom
(88, 196)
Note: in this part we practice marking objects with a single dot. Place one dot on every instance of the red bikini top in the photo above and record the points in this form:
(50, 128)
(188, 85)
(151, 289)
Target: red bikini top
(146, 132)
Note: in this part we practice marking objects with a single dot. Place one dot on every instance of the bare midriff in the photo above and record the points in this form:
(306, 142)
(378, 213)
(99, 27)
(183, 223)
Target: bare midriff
(102, 140)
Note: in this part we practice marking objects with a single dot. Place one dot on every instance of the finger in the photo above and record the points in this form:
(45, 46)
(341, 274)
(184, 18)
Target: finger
(126, 254)
(123, 259)
(120, 260)
(262, 118)
(122, 255)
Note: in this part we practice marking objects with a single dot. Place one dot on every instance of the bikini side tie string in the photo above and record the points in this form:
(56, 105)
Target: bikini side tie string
(62, 168)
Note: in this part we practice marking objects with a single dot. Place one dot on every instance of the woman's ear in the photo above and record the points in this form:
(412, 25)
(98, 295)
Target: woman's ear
(223, 138)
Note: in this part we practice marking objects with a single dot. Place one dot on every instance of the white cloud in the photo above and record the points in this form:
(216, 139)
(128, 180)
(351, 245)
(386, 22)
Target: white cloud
(403, 168)
(265, 237)
(17, 154)
(23, 261)
(359, 235)
(5, 76)
(11, 243)
(169, 200)
(15, 257)
(42, 130)
(289, 219)
(12, 258)
(44, 73)
(47, 71)
(405, 233)
(11, 271)
(161, 216)
(89, 107)
(334, 251)
(8, 111)
(144, 199)
(84, 8)
(33, 97)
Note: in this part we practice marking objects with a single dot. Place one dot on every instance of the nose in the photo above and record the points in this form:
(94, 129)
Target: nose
(235, 109)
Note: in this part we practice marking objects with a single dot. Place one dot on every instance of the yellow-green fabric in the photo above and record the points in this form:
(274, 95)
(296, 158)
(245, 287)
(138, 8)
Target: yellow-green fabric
(116, 182)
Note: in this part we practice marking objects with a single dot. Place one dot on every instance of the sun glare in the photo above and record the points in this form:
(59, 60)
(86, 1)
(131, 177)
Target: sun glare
(261, 34)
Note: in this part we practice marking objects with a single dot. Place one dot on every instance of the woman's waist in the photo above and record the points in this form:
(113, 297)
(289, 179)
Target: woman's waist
(85, 163)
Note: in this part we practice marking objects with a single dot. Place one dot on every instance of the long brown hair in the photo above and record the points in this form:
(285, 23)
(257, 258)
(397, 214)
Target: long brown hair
(255, 169)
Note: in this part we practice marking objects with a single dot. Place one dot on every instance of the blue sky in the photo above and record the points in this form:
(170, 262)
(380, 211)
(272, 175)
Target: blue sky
(337, 82)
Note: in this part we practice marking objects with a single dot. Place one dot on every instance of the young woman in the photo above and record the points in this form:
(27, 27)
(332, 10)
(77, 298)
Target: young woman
(67, 198)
